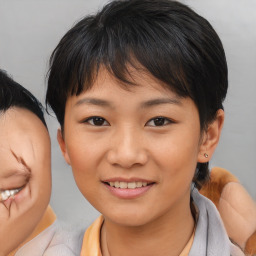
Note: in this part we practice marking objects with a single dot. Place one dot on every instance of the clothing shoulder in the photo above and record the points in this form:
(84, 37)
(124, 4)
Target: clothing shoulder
(67, 241)
(236, 251)
(210, 237)
(59, 239)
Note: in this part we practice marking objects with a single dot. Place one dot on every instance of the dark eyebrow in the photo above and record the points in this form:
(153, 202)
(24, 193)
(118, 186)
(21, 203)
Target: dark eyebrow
(148, 103)
(94, 101)
(160, 101)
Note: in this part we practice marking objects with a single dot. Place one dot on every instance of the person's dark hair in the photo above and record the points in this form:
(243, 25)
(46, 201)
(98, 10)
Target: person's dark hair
(13, 94)
(164, 37)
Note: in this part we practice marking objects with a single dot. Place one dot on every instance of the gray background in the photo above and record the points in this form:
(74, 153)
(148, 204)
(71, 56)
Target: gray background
(30, 29)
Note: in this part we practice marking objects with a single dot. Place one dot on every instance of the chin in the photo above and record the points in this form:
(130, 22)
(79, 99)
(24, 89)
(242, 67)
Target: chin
(132, 218)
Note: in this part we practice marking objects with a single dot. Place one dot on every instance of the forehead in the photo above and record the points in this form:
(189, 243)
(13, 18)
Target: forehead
(19, 120)
(18, 124)
(139, 83)
(147, 93)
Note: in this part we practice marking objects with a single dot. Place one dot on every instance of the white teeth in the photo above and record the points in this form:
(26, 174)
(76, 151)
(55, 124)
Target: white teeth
(123, 184)
(4, 195)
(130, 185)
(7, 193)
(139, 184)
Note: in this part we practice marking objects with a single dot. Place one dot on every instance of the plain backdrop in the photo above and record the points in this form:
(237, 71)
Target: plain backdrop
(30, 30)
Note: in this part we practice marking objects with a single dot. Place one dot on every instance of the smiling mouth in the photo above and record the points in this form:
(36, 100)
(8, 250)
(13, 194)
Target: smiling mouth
(128, 189)
(128, 185)
(6, 194)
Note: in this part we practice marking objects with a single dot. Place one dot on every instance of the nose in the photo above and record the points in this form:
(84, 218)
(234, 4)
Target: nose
(127, 149)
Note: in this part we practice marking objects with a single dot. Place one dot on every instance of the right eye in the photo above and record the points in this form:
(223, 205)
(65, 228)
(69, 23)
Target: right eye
(96, 121)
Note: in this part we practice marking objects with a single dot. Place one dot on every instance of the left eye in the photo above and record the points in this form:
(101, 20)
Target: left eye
(97, 121)
(158, 121)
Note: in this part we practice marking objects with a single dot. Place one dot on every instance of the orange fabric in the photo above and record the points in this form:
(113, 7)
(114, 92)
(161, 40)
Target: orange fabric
(91, 241)
(48, 218)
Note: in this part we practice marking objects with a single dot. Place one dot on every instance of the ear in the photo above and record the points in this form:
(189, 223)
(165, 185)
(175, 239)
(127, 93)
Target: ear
(210, 138)
(62, 145)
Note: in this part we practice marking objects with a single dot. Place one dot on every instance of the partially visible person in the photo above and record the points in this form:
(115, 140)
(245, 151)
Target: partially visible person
(236, 207)
(28, 226)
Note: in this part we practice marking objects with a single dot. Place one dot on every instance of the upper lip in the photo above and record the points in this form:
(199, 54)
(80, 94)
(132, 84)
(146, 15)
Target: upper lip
(122, 179)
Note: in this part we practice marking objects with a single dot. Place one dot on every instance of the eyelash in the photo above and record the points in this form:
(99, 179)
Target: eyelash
(93, 119)
(163, 121)
(103, 122)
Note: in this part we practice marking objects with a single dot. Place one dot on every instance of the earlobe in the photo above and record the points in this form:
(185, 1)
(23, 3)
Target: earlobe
(211, 138)
(62, 145)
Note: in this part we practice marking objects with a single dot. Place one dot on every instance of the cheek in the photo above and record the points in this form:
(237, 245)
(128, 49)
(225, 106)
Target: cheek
(176, 155)
(85, 151)
(39, 183)
(177, 148)
(41, 180)
(84, 157)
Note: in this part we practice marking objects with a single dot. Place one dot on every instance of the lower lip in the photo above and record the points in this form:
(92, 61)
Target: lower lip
(24, 193)
(129, 193)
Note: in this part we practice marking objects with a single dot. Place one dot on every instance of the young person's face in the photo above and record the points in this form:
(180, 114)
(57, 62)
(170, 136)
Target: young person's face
(25, 171)
(145, 137)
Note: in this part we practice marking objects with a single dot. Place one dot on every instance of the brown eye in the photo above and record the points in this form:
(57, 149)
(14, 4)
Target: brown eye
(158, 121)
(97, 121)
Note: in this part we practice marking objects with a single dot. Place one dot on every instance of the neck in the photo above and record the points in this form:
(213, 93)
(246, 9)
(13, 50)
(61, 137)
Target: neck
(167, 235)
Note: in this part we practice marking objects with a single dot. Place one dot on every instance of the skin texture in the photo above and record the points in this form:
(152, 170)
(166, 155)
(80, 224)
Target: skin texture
(25, 162)
(129, 146)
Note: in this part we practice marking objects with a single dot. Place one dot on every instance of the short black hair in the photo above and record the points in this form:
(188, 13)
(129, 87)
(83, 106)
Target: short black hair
(164, 37)
(13, 94)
